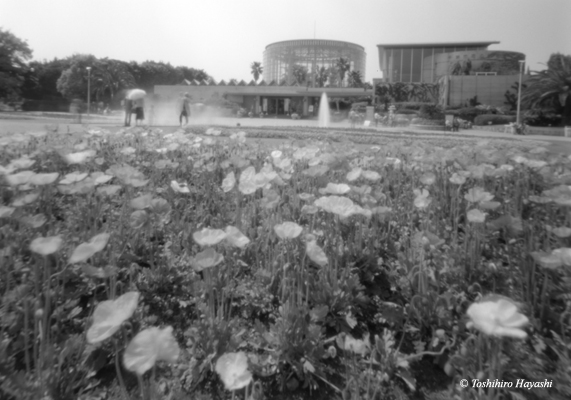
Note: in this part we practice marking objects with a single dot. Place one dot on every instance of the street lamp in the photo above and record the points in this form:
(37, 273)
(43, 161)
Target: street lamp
(88, 90)
(521, 62)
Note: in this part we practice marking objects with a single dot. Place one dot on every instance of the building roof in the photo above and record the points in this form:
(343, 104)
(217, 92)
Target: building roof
(316, 42)
(438, 44)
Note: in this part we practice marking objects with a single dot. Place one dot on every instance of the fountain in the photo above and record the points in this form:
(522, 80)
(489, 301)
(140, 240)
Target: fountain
(324, 114)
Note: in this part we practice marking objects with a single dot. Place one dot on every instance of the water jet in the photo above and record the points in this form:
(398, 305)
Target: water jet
(324, 113)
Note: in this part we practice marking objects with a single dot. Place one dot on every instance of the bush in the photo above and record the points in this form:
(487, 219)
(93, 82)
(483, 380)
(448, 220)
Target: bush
(541, 118)
(406, 112)
(411, 105)
(466, 113)
(425, 121)
(495, 119)
(431, 111)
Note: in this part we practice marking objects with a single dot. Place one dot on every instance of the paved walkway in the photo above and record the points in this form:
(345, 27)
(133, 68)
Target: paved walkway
(553, 143)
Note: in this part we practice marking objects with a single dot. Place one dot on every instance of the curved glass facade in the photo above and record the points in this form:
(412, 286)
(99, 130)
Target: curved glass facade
(416, 62)
(313, 54)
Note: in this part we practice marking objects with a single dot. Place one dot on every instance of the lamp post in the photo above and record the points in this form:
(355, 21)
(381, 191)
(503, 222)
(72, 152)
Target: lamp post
(88, 90)
(521, 62)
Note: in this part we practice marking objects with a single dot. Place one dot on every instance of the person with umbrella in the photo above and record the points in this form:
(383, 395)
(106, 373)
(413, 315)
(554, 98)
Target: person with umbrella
(137, 99)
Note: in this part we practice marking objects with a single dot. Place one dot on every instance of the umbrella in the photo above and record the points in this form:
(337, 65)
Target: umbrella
(136, 94)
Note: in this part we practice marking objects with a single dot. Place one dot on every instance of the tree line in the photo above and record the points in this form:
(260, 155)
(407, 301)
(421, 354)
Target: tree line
(51, 85)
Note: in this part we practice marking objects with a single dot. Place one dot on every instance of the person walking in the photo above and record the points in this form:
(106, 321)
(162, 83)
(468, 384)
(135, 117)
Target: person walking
(128, 107)
(139, 107)
(184, 109)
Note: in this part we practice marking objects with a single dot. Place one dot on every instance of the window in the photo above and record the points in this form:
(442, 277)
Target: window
(416, 65)
(396, 72)
(406, 65)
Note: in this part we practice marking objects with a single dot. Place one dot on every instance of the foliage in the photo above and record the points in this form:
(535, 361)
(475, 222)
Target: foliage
(355, 79)
(343, 66)
(256, 70)
(494, 119)
(427, 121)
(431, 111)
(541, 118)
(511, 98)
(14, 52)
(551, 87)
(300, 73)
(467, 113)
(321, 77)
(308, 269)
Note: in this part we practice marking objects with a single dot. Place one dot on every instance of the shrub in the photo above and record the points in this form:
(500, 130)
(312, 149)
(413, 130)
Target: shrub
(541, 118)
(411, 105)
(406, 112)
(466, 113)
(425, 121)
(431, 111)
(495, 119)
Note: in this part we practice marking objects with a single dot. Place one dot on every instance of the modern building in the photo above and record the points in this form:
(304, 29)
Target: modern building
(464, 70)
(279, 93)
(281, 58)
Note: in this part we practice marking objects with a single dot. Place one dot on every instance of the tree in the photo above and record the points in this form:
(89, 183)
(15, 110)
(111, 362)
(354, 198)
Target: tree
(72, 83)
(321, 77)
(551, 87)
(257, 70)
(300, 73)
(14, 52)
(355, 79)
(343, 66)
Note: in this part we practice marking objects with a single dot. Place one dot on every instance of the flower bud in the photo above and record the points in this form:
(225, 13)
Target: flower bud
(39, 313)
(480, 375)
(464, 351)
(449, 369)
(332, 351)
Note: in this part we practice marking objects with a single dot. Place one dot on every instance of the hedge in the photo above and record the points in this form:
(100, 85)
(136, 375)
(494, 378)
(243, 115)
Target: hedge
(466, 113)
(424, 121)
(411, 105)
(495, 119)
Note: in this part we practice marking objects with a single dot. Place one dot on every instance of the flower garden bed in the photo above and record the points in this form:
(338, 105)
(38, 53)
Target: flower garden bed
(139, 264)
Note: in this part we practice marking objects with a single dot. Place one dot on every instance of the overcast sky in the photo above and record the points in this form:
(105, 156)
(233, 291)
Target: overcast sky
(223, 37)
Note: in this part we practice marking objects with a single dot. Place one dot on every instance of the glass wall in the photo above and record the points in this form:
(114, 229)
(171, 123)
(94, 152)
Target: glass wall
(280, 58)
(406, 64)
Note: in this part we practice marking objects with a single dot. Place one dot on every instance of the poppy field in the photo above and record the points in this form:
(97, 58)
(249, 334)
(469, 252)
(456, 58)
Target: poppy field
(203, 264)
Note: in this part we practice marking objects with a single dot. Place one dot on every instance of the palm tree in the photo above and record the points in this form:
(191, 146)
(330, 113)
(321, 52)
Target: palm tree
(257, 70)
(552, 86)
(343, 66)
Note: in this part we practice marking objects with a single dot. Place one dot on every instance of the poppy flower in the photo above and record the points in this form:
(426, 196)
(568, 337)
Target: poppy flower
(149, 346)
(288, 230)
(477, 195)
(21, 163)
(209, 237)
(354, 174)
(206, 259)
(338, 205)
(476, 216)
(229, 182)
(86, 250)
(73, 177)
(179, 187)
(334, 188)
(497, 316)
(235, 237)
(20, 178)
(25, 199)
(80, 157)
(46, 245)
(422, 199)
(110, 314)
(316, 253)
(233, 370)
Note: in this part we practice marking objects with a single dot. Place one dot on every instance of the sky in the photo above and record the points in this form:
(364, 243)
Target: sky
(223, 37)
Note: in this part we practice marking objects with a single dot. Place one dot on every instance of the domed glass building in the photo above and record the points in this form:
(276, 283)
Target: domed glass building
(282, 58)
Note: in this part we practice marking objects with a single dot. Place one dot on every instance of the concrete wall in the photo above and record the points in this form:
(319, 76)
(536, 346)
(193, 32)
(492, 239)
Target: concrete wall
(489, 89)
